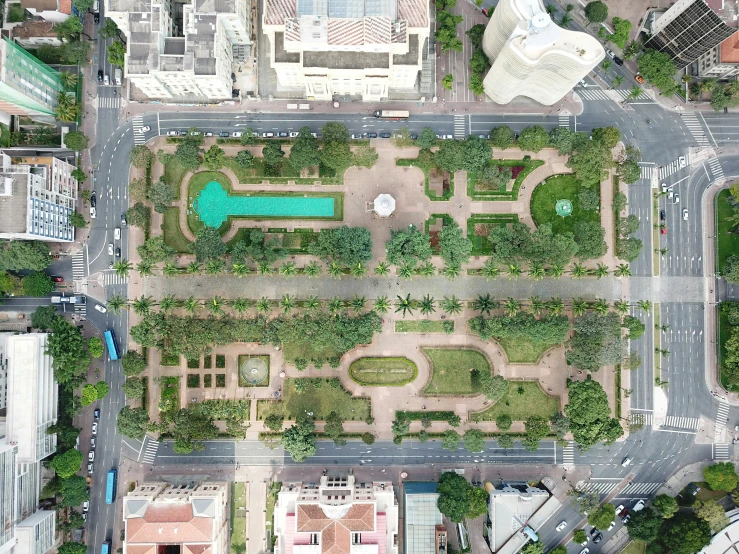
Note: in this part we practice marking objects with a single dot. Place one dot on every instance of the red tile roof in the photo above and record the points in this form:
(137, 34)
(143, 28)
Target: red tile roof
(730, 49)
(335, 533)
(169, 523)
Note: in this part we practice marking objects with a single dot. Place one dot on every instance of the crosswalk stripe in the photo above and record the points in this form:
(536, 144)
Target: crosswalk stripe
(681, 422)
(695, 128)
(638, 418)
(460, 127)
(78, 266)
(601, 487)
(721, 418)
(667, 170)
(151, 452)
(106, 102)
(137, 123)
(564, 120)
(716, 168)
(646, 172)
(720, 451)
(112, 278)
(641, 488)
(568, 454)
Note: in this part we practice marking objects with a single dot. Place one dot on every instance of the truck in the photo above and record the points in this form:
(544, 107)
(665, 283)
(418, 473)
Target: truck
(110, 484)
(118, 74)
(393, 115)
(61, 299)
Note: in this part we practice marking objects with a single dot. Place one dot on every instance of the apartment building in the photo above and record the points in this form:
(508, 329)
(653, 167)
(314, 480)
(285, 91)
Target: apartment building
(720, 62)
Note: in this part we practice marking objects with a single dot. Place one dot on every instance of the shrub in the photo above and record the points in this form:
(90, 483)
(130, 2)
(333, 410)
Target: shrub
(193, 380)
(207, 380)
(220, 361)
(220, 380)
(368, 438)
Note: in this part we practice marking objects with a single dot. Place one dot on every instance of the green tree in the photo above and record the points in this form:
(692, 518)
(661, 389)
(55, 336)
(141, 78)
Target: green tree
(621, 29)
(334, 132)
(536, 429)
(603, 516)
(407, 246)
(503, 422)
(336, 155)
(44, 317)
(109, 29)
(190, 428)
(117, 53)
(334, 428)
(72, 548)
(502, 137)
(533, 548)
(476, 84)
(580, 536)
(451, 440)
(140, 156)
(685, 533)
(76, 140)
(77, 51)
(608, 136)
(73, 491)
(479, 62)
(632, 49)
(721, 476)
(245, 159)
(89, 395)
(589, 414)
(597, 341)
(95, 347)
(304, 152)
(596, 11)
(37, 284)
(659, 69)
(273, 422)
(635, 327)
(454, 247)
(731, 269)
(447, 81)
(272, 153)
(67, 463)
(259, 248)
(454, 496)
(345, 245)
(139, 216)
(69, 28)
(533, 139)
(366, 156)
(590, 162)
(68, 350)
(187, 153)
(160, 194)
(475, 34)
(102, 388)
(133, 422)
(712, 513)
(586, 503)
(133, 363)
(17, 255)
(300, 440)
(208, 245)
(563, 139)
(474, 440)
(451, 155)
(494, 387)
(133, 387)
(214, 157)
(644, 525)
(426, 138)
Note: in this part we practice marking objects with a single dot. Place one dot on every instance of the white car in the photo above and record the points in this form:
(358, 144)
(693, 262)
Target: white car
(92, 442)
(685, 214)
(86, 506)
(677, 198)
(172, 133)
(110, 249)
(611, 526)
(144, 129)
(562, 525)
(89, 468)
(106, 80)
(237, 134)
(94, 427)
(117, 233)
(664, 188)
(100, 308)
(92, 212)
(619, 509)
(626, 462)
(585, 551)
(91, 456)
(638, 506)
(293, 134)
(357, 136)
(681, 161)
(268, 135)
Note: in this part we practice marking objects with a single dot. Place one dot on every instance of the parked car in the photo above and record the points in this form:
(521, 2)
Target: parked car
(282, 134)
(611, 526)
(208, 134)
(677, 198)
(93, 199)
(585, 551)
(92, 442)
(371, 135)
(237, 134)
(106, 80)
(172, 133)
(96, 17)
(562, 525)
(414, 136)
(662, 215)
(619, 509)
(597, 538)
(385, 135)
(117, 252)
(617, 60)
(357, 136)
(182, 133)
(638, 506)
(293, 134)
(124, 221)
(100, 308)
(610, 53)
(96, 413)
(92, 212)
(626, 519)
(110, 249)
(117, 233)
(639, 79)
(100, 75)
(268, 135)
(91, 456)
(86, 506)
(89, 470)
(224, 134)
(593, 532)
(57, 279)
(94, 428)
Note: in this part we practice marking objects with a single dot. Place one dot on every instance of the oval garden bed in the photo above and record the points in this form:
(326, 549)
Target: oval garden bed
(383, 371)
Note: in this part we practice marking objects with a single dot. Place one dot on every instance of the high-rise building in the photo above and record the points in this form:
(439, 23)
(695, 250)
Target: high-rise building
(532, 56)
(340, 47)
(687, 30)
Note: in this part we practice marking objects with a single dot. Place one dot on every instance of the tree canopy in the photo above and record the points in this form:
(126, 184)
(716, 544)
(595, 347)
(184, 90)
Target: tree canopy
(208, 245)
(589, 414)
(37, 283)
(454, 247)
(721, 476)
(300, 440)
(502, 137)
(603, 516)
(133, 363)
(596, 342)
(458, 499)
(666, 505)
(407, 246)
(659, 69)
(685, 533)
(76, 140)
(533, 139)
(17, 255)
(644, 525)
(304, 152)
(596, 11)
(67, 463)
(73, 491)
(133, 422)
(345, 245)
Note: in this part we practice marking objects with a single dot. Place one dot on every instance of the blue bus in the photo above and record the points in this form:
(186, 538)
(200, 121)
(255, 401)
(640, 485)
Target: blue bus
(112, 344)
(105, 548)
(110, 487)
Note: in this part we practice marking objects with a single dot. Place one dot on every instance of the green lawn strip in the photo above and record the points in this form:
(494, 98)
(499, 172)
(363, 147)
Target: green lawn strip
(320, 401)
(532, 402)
(434, 219)
(504, 196)
(706, 493)
(481, 246)
(243, 382)
(421, 326)
(727, 243)
(169, 359)
(294, 242)
(174, 172)
(560, 187)
(272, 491)
(395, 371)
(438, 415)
(173, 233)
(450, 370)
(724, 334)
(284, 174)
(238, 517)
(413, 162)
(306, 350)
(522, 351)
(657, 341)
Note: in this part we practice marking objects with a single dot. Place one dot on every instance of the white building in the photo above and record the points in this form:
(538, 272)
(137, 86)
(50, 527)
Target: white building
(37, 196)
(347, 48)
(532, 56)
(31, 409)
(183, 51)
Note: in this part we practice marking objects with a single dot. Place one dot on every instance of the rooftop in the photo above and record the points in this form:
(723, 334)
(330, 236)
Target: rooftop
(730, 49)
(414, 12)
(33, 28)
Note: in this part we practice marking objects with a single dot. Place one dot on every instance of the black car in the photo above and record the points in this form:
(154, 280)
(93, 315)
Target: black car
(96, 414)
(385, 135)
(414, 137)
(100, 75)
(93, 200)
(661, 215)
(96, 17)
(597, 538)
(224, 134)
(282, 134)
(117, 252)
(593, 531)
(124, 221)
(371, 135)
(618, 61)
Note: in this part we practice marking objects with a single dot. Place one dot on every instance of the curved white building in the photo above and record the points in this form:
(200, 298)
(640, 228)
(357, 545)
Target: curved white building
(532, 56)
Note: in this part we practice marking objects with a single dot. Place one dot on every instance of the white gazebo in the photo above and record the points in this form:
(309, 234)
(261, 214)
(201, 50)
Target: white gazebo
(384, 205)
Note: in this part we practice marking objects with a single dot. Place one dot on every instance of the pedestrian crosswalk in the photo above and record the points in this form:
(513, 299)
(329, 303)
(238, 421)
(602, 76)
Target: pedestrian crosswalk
(679, 422)
(564, 120)
(78, 266)
(618, 95)
(149, 450)
(633, 489)
(601, 487)
(646, 171)
(113, 102)
(716, 169)
(721, 451)
(722, 416)
(696, 129)
(112, 278)
(460, 127)
(640, 418)
(568, 454)
(667, 170)
(137, 123)
(80, 310)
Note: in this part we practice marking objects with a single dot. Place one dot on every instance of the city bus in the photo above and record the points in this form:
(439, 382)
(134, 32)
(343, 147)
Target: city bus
(394, 115)
(110, 486)
(105, 548)
(112, 344)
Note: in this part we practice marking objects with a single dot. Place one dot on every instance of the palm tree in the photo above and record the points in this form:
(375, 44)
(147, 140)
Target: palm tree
(142, 306)
(452, 271)
(144, 267)
(607, 65)
(644, 305)
(193, 268)
(618, 80)
(170, 269)
(313, 269)
(404, 305)
(168, 303)
(335, 270)
(601, 271)
(623, 270)
(191, 305)
(550, 9)
(382, 304)
(214, 267)
(634, 93)
(358, 303)
(265, 268)
(556, 271)
(427, 270)
(335, 305)
(514, 271)
(427, 305)
(511, 306)
(556, 306)
(490, 270)
(579, 306)
(68, 80)
(288, 269)
(565, 20)
(451, 305)
(578, 271)
(537, 305)
(406, 271)
(215, 305)
(287, 303)
(65, 109)
(358, 271)
(122, 268)
(264, 305)
(601, 306)
(662, 251)
(382, 269)
(312, 304)
(241, 305)
(621, 306)
(484, 304)
(536, 272)
(116, 303)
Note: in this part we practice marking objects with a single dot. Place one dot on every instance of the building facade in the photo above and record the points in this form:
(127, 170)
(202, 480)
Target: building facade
(532, 56)
(687, 30)
(337, 47)
(183, 51)
(720, 62)
(424, 531)
(37, 196)
(194, 518)
(337, 516)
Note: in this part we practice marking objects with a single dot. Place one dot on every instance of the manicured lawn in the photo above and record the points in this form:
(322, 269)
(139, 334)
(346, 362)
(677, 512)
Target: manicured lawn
(321, 400)
(503, 195)
(728, 244)
(172, 233)
(532, 402)
(478, 229)
(724, 334)
(272, 490)
(238, 517)
(174, 172)
(707, 494)
(295, 242)
(306, 350)
(422, 326)
(522, 351)
(560, 187)
(450, 370)
(383, 371)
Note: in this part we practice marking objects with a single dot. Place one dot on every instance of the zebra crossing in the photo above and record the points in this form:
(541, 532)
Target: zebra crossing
(112, 278)
(721, 451)
(721, 419)
(695, 128)
(617, 95)
(149, 451)
(716, 169)
(667, 170)
(138, 136)
(568, 454)
(640, 418)
(646, 171)
(601, 487)
(460, 127)
(78, 266)
(113, 102)
(564, 120)
(80, 310)
(681, 422)
(633, 489)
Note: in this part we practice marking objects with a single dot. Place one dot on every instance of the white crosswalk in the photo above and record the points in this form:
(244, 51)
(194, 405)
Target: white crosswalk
(721, 451)
(112, 278)
(696, 129)
(646, 171)
(640, 418)
(568, 454)
(137, 123)
(716, 169)
(80, 310)
(564, 120)
(78, 266)
(150, 451)
(601, 487)
(460, 127)
(681, 422)
(721, 418)
(618, 95)
(640, 489)
(103, 102)
(667, 170)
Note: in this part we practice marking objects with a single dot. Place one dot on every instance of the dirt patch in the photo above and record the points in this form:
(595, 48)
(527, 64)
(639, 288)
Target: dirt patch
(482, 229)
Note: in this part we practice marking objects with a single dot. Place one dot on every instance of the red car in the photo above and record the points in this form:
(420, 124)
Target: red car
(57, 279)
(663, 230)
